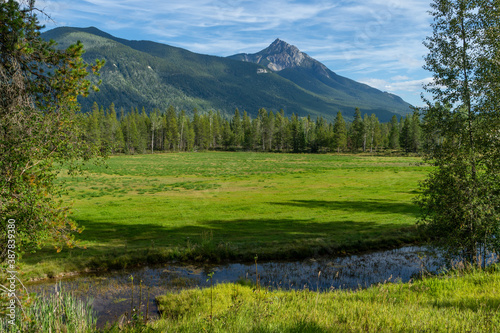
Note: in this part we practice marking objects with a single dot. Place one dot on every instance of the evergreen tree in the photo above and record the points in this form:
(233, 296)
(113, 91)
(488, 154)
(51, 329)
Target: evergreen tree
(197, 128)
(248, 132)
(322, 135)
(204, 133)
(260, 130)
(134, 135)
(137, 133)
(110, 136)
(183, 130)
(227, 135)
(385, 134)
(190, 136)
(297, 134)
(372, 132)
(339, 133)
(94, 128)
(394, 133)
(144, 127)
(237, 128)
(415, 132)
(404, 136)
(217, 122)
(156, 122)
(119, 140)
(377, 137)
(172, 130)
(357, 131)
(279, 131)
(310, 134)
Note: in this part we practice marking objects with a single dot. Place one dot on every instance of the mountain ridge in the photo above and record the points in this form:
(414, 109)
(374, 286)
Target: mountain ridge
(280, 55)
(307, 72)
(155, 75)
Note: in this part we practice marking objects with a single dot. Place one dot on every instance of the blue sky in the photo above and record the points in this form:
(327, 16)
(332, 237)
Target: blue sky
(377, 42)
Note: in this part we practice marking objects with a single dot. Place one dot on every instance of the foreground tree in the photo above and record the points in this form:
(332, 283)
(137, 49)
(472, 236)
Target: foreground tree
(460, 199)
(39, 128)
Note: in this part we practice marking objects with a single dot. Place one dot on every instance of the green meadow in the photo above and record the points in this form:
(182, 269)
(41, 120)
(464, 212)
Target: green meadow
(213, 206)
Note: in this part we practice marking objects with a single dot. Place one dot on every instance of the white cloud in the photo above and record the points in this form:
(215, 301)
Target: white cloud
(400, 78)
(398, 85)
(381, 39)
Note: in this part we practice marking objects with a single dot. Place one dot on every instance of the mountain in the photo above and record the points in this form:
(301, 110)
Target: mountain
(289, 62)
(278, 56)
(154, 75)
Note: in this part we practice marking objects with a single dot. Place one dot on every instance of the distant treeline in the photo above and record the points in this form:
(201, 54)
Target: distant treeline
(140, 132)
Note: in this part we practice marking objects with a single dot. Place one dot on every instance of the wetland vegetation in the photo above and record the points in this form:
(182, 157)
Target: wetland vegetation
(450, 303)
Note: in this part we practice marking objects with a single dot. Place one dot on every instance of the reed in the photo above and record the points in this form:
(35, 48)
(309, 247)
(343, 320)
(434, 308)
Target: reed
(55, 312)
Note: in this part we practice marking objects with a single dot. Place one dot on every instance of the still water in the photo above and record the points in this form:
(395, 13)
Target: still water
(112, 292)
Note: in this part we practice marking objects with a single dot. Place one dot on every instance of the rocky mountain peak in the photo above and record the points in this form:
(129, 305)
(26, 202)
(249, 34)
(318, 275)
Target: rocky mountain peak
(280, 55)
(280, 46)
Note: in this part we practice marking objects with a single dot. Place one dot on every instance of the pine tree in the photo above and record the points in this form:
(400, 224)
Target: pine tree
(377, 138)
(394, 133)
(237, 128)
(279, 131)
(322, 134)
(404, 136)
(190, 136)
(297, 134)
(339, 133)
(156, 122)
(94, 128)
(119, 136)
(172, 129)
(227, 135)
(248, 132)
(183, 129)
(357, 131)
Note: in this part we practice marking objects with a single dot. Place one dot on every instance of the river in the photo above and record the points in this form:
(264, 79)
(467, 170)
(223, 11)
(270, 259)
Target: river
(112, 292)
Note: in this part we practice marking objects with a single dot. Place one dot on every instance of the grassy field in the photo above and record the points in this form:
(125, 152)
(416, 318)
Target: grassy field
(223, 205)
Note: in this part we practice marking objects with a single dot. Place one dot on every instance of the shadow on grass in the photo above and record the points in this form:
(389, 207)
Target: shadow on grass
(238, 231)
(118, 245)
(302, 326)
(370, 206)
(243, 238)
(471, 303)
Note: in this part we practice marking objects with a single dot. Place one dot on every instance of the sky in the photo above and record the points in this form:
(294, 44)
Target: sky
(377, 42)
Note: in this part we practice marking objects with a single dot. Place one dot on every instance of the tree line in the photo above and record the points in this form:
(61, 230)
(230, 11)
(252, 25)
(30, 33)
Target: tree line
(137, 132)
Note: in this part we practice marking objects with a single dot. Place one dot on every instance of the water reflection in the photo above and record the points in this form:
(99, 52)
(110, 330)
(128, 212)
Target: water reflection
(115, 293)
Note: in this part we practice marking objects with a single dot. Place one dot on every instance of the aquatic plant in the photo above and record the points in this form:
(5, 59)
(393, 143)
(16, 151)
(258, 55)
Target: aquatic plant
(59, 311)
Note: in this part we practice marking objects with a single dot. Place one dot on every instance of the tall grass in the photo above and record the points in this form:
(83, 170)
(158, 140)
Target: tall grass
(454, 303)
(55, 312)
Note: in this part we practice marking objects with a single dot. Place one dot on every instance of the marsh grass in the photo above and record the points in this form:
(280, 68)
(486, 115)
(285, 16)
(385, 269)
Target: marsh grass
(56, 312)
(456, 302)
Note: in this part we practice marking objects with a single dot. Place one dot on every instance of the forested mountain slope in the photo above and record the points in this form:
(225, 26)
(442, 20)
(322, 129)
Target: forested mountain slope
(153, 75)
